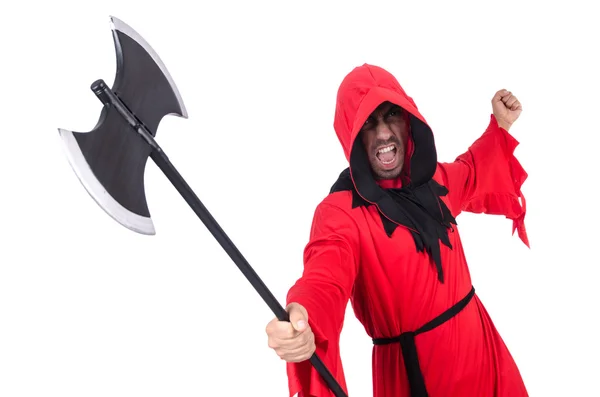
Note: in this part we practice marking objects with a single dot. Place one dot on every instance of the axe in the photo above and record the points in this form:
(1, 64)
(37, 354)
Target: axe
(110, 159)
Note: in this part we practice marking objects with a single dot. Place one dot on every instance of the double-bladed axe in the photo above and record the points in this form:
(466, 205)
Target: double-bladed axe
(110, 159)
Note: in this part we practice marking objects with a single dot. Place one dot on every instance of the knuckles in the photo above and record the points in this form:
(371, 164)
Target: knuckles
(272, 343)
(296, 349)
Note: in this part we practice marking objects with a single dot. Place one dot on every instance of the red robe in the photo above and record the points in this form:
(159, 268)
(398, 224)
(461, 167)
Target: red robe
(395, 289)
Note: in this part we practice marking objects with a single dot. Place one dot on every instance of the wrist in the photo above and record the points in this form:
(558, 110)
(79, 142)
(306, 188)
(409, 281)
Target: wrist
(503, 124)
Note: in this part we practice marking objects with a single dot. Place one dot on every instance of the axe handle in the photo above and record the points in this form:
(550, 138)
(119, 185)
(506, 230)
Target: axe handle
(163, 162)
(106, 96)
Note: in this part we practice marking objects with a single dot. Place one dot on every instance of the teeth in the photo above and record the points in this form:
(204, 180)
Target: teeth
(386, 149)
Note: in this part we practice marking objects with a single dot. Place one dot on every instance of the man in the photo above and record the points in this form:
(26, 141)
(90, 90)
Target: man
(385, 239)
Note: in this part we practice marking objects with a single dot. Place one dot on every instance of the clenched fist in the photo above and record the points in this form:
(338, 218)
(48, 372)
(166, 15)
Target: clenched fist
(293, 341)
(506, 108)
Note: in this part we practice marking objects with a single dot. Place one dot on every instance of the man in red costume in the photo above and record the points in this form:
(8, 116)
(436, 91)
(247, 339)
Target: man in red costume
(385, 239)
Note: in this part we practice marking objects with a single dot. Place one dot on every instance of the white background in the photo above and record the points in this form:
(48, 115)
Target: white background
(88, 308)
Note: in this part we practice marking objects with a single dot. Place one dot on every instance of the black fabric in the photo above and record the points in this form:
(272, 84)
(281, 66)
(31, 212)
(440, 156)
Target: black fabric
(409, 349)
(417, 205)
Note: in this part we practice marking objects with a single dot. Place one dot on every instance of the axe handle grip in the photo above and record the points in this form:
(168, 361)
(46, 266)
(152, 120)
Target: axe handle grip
(163, 162)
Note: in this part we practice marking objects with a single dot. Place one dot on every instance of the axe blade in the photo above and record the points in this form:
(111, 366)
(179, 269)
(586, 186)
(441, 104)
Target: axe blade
(110, 159)
(142, 80)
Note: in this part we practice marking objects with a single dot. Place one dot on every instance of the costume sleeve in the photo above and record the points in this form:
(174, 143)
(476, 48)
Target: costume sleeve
(330, 268)
(487, 178)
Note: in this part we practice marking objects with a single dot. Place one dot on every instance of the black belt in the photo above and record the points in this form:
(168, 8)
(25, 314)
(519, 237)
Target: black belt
(409, 349)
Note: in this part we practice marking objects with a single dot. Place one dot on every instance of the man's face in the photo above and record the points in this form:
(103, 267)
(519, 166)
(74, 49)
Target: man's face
(384, 136)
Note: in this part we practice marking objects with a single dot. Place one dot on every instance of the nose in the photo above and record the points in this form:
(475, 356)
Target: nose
(384, 132)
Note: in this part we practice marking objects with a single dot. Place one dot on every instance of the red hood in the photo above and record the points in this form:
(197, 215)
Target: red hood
(416, 205)
(359, 94)
(361, 91)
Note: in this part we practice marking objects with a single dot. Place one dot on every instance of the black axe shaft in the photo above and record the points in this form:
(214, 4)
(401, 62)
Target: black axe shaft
(108, 97)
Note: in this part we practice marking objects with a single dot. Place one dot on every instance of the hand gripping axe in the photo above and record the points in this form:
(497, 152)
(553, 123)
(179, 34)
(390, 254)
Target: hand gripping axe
(110, 159)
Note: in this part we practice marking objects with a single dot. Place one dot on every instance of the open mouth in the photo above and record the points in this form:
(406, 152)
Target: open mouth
(387, 155)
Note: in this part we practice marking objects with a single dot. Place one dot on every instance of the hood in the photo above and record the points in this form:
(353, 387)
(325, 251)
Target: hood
(359, 94)
(416, 203)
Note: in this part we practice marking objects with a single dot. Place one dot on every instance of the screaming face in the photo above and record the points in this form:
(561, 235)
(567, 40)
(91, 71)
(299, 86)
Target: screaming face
(384, 136)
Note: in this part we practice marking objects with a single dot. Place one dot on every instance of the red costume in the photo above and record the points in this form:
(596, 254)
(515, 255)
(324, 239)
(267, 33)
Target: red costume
(393, 250)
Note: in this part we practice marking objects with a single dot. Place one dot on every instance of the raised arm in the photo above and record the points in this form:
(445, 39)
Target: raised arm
(487, 178)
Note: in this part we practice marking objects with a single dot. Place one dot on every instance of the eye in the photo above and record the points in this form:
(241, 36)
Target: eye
(394, 112)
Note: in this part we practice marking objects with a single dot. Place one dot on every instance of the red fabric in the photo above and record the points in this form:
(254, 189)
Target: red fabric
(394, 289)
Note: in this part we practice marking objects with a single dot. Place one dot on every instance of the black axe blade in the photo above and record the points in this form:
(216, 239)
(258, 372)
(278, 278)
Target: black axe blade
(110, 159)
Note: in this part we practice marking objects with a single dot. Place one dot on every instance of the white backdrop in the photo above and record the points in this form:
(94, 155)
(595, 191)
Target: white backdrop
(88, 308)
